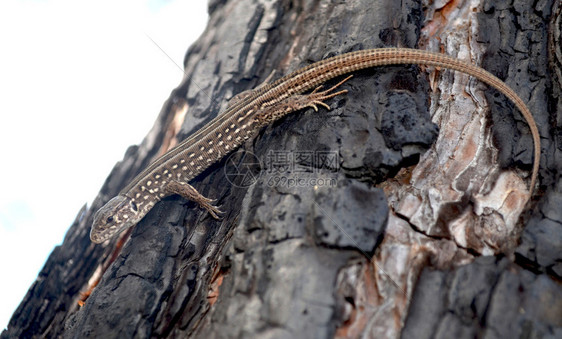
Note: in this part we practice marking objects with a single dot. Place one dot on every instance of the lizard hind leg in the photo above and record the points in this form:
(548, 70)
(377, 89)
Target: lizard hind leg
(189, 192)
(317, 98)
(296, 102)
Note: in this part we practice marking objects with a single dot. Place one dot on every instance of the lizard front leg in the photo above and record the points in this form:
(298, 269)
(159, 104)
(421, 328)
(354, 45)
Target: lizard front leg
(189, 192)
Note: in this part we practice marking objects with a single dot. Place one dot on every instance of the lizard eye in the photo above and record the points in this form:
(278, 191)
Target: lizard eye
(134, 206)
(109, 220)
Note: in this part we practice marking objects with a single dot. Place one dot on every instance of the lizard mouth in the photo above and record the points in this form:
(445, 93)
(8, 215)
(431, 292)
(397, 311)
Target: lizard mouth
(97, 236)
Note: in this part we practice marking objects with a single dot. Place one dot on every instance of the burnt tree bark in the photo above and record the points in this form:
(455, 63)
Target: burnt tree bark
(398, 213)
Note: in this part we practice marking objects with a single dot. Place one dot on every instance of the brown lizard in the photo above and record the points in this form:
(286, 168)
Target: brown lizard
(248, 113)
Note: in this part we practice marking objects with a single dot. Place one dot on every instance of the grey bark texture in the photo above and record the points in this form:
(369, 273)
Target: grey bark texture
(349, 226)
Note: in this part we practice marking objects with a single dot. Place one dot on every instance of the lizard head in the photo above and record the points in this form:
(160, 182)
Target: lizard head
(115, 216)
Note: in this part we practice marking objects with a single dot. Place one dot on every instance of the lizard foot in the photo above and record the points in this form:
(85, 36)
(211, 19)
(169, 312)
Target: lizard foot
(189, 192)
(318, 97)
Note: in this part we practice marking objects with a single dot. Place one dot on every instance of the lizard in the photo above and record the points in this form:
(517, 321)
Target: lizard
(250, 111)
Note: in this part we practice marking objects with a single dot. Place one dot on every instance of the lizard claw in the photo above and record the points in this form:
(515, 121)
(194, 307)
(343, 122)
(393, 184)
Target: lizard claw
(214, 211)
(317, 97)
(208, 204)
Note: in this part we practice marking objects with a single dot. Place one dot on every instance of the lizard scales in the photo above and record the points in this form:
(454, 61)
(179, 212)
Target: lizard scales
(246, 115)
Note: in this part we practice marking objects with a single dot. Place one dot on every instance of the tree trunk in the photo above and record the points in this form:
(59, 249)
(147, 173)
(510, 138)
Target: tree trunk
(399, 212)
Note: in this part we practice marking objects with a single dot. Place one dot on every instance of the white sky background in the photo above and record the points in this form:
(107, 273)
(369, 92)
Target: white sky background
(79, 82)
